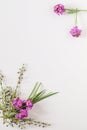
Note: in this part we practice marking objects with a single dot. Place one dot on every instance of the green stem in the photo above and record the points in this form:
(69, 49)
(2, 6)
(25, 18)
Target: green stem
(68, 9)
(72, 11)
(76, 18)
(83, 10)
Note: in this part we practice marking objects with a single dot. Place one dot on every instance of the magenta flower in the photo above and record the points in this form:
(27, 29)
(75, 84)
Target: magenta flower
(75, 32)
(23, 106)
(17, 103)
(23, 113)
(28, 103)
(17, 116)
(59, 9)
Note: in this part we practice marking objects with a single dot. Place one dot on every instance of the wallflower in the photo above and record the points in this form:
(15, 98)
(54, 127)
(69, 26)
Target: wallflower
(28, 104)
(75, 31)
(23, 113)
(17, 103)
(59, 9)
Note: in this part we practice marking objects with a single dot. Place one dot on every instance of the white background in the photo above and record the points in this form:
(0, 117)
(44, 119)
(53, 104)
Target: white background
(31, 33)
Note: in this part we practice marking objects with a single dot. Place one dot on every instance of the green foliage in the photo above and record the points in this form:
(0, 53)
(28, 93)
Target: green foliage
(38, 95)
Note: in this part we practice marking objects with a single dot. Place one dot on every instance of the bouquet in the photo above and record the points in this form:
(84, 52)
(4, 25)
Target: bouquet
(14, 110)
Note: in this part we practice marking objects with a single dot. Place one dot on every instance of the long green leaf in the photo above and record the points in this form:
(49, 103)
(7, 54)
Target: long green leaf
(45, 96)
(39, 95)
(35, 90)
(11, 114)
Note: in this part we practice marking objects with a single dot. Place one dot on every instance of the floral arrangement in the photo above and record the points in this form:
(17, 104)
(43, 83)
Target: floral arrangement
(14, 110)
(59, 9)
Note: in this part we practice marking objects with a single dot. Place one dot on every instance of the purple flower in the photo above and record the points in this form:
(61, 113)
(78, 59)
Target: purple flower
(23, 113)
(75, 32)
(17, 103)
(17, 116)
(59, 9)
(28, 103)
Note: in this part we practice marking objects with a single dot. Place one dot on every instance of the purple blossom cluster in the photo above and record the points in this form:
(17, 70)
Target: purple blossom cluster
(59, 9)
(75, 31)
(22, 106)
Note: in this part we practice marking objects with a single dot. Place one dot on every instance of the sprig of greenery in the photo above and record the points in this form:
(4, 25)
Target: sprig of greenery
(20, 78)
(38, 95)
(1, 78)
(22, 123)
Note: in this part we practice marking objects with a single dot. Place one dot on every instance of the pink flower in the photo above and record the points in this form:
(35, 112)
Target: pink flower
(59, 9)
(75, 32)
(28, 103)
(17, 103)
(23, 113)
(17, 116)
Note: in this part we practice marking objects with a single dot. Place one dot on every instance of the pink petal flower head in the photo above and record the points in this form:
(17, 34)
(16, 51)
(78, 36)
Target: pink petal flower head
(28, 103)
(17, 116)
(75, 32)
(23, 113)
(59, 9)
(17, 103)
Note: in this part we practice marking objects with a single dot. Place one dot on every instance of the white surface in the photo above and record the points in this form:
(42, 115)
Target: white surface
(31, 33)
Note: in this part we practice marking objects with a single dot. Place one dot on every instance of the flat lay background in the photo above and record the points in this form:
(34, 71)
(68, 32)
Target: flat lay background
(31, 33)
